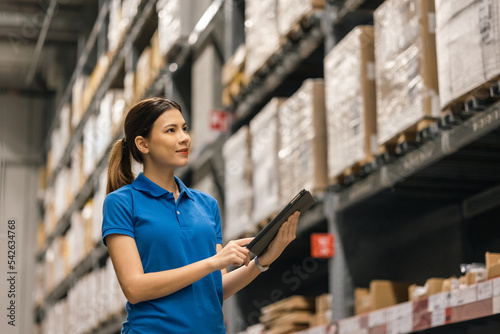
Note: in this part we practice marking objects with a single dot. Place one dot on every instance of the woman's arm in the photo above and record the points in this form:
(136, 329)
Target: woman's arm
(237, 279)
(138, 286)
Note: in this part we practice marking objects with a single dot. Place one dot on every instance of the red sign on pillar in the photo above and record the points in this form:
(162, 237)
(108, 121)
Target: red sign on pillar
(219, 120)
(322, 245)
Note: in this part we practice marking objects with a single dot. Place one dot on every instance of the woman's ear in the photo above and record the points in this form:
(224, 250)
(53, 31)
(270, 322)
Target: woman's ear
(141, 144)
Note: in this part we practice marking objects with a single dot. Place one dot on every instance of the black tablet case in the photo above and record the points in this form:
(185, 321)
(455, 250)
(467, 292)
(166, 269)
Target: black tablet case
(301, 202)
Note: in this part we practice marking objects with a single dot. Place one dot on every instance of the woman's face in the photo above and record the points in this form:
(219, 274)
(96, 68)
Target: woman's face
(169, 141)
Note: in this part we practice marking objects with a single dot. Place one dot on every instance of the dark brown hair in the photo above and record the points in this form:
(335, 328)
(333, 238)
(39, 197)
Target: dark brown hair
(138, 122)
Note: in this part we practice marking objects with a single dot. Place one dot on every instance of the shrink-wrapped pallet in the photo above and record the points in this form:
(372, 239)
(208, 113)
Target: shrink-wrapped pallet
(176, 20)
(406, 73)
(290, 12)
(238, 184)
(261, 33)
(115, 25)
(265, 145)
(350, 101)
(302, 130)
(468, 46)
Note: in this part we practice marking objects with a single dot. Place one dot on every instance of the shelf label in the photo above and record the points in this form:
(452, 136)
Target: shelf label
(463, 296)
(484, 290)
(438, 317)
(377, 318)
(322, 245)
(347, 326)
(496, 287)
(439, 301)
(400, 318)
(496, 305)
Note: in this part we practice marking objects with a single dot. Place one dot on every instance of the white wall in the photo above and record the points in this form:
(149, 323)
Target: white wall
(20, 147)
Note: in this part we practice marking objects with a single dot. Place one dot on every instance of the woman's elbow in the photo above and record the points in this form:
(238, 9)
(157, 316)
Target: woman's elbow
(132, 294)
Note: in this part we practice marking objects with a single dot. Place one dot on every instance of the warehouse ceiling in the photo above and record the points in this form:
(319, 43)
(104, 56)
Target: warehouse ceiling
(38, 42)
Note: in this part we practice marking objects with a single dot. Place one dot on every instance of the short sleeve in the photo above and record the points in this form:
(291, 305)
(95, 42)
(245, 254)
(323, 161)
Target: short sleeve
(218, 229)
(117, 215)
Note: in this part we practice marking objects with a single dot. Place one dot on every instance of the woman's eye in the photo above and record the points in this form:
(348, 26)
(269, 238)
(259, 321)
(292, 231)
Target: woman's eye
(185, 129)
(169, 130)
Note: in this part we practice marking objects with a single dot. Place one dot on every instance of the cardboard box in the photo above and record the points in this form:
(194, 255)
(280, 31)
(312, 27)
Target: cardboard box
(468, 44)
(362, 301)
(265, 146)
(387, 293)
(451, 283)
(350, 101)
(406, 66)
(290, 12)
(492, 265)
(302, 154)
(238, 185)
(176, 21)
(143, 74)
(431, 287)
(261, 33)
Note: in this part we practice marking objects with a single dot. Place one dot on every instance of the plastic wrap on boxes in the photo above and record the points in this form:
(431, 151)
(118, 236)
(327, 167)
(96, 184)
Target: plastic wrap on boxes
(65, 124)
(143, 74)
(169, 24)
(98, 200)
(265, 146)
(76, 239)
(468, 46)
(118, 111)
(261, 33)
(350, 100)
(77, 179)
(302, 129)
(406, 68)
(80, 84)
(128, 12)
(238, 184)
(114, 27)
(104, 126)
(128, 88)
(291, 11)
(89, 138)
(176, 20)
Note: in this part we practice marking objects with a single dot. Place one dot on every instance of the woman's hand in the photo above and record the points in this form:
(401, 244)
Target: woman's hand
(234, 253)
(285, 236)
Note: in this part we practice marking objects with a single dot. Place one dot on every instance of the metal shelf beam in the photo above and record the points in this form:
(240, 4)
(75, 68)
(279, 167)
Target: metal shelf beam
(446, 143)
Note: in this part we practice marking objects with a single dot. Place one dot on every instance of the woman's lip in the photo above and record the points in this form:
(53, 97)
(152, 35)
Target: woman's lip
(183, 151)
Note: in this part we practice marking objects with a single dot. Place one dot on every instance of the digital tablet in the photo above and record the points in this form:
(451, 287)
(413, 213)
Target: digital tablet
(301, 202)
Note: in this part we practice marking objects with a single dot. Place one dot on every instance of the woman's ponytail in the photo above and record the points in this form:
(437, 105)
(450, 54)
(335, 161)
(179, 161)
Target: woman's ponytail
(120, 166)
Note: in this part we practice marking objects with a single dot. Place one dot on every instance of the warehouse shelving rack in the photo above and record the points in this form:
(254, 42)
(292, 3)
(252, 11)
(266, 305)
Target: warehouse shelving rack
(396, 211)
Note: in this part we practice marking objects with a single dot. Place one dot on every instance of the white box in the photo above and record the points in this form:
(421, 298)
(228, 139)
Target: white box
(265, 146)
(238, 184)
(261, 33)
(468, 44)
(302, 128)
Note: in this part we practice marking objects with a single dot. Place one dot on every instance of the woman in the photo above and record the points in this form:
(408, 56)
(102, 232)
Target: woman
(165, 239)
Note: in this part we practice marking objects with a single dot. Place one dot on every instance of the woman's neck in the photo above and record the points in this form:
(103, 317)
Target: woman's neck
(164, 179)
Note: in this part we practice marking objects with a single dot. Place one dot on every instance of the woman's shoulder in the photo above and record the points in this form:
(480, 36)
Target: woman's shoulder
(123, 194)
(202, 196)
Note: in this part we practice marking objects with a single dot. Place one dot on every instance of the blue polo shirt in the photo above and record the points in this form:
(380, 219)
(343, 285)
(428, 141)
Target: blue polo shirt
(169, 235)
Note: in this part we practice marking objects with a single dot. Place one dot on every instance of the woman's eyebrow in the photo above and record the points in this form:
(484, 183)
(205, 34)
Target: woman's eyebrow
(174, 125)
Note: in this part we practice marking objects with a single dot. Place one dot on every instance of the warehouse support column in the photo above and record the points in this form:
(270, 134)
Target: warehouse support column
(341, 286)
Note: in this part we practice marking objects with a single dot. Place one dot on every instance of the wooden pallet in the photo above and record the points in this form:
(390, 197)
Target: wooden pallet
(358, 169)
(235, 87)
(408, 139)
(288, 315)
(471, 103)
(302, 24)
